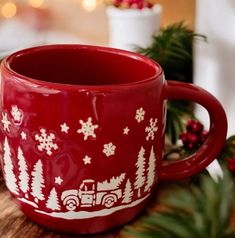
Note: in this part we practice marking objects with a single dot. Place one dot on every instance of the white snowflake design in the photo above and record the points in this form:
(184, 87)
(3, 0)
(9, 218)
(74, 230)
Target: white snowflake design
(151, 129)
(87, 128)
(46, 142)
(16, 113)
(5, 121)
(109, 149)
(140, 115)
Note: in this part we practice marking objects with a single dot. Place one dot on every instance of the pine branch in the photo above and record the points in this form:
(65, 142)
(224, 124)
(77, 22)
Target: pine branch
(198, 211)
(172, 48)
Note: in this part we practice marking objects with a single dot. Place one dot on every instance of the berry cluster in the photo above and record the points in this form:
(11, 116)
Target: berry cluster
(194, 136)
(133, 4)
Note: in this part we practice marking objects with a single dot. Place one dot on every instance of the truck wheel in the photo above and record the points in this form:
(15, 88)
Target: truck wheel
(109, 201)
(71, 206)
(71, 203)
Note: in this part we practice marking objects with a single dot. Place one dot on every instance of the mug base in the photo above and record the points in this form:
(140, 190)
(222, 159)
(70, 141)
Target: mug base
(84, 226)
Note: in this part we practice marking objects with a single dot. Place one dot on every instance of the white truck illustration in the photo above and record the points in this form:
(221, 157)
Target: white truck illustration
(91, 193)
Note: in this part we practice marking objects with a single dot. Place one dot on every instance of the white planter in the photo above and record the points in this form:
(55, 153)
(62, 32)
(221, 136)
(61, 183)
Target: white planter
(129, 28)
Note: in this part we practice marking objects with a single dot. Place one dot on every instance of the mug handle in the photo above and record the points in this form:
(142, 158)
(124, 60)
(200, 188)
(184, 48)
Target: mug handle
(216, 138)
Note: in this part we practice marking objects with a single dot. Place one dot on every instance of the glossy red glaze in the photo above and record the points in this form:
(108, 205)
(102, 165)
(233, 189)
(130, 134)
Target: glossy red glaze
(83, 134)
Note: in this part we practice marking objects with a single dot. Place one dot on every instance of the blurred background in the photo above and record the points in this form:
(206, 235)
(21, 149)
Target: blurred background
(25, 23)
(28, 22)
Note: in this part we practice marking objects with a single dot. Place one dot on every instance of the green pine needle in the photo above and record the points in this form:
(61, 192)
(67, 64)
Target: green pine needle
(202, 211)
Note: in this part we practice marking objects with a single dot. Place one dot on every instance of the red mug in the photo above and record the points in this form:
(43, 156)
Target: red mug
(83, 134)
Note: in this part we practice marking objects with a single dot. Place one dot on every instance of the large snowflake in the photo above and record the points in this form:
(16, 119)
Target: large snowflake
(140, 115)
(46, 142)
(16, 113)
(87, 128)
(151, 129)
(109, 149)
(5, 121)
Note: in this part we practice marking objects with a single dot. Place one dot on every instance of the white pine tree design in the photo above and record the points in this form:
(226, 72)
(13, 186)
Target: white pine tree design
(53, 201)
(140, 178)
(23, 175)
(128, 192)
(8, 169)
(37, 182)
(151, 170)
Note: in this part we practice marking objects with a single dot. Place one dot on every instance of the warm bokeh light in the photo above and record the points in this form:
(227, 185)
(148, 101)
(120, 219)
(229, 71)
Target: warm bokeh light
(89, 5)
(36, 3)
(9, 10)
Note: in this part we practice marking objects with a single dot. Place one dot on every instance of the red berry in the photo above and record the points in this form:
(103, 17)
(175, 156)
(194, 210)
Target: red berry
(140, 5)
(189, 125)
(117, 2)
(184, 138)
(194, 135)
(190, 146)
(194, 139)
(134, 5)
(194, 126)
(197, 127)
(149, 5)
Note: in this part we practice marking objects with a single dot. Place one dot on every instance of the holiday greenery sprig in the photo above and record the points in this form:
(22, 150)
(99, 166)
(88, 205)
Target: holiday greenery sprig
(228, 151)
(172, 48)
(190, 140)
(197, 211)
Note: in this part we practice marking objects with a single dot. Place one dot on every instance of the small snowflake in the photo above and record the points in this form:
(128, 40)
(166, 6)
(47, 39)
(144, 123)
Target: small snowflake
(87, 128)
(64, 128)
(126, 131)
(46, 142)
(151, 129)
(109, 149)
(23, 135)
(16, 113)
(87, 160)
(5, 121)
(140, 115)
(58, 180)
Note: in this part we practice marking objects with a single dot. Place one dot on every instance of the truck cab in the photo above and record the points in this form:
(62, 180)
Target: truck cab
(87, 193)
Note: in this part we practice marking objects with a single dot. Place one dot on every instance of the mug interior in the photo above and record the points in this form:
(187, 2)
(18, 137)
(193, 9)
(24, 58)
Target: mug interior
(82, 65)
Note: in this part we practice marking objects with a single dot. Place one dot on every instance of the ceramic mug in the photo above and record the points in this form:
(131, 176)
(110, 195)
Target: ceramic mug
(83, 134)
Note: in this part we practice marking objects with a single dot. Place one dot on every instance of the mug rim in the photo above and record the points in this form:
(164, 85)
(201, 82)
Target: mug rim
(6, 66)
